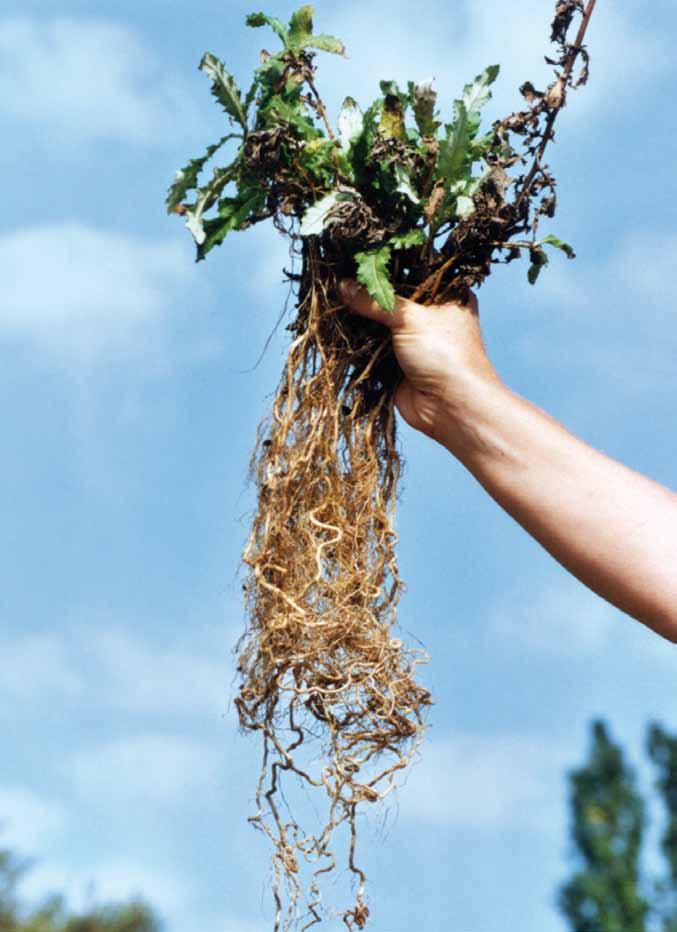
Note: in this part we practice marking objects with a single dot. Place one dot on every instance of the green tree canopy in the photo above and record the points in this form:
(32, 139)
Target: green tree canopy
(607, 892)
(53, 916)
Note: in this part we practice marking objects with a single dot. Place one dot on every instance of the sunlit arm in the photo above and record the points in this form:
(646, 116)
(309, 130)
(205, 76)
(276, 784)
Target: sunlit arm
(613, 528)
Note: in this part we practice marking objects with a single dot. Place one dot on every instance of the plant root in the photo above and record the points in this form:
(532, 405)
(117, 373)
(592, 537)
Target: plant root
(318, 661)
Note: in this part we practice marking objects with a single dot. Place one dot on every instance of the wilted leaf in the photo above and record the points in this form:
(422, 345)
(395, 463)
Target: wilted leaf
(224, 89)
(539, 260)
(392, 89)
(316, 218)
(372, 271)
(350, 122)
(392, 118)
(423, 99)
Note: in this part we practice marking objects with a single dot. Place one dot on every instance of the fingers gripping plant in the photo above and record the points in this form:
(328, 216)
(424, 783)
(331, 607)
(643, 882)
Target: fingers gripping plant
(408, 205)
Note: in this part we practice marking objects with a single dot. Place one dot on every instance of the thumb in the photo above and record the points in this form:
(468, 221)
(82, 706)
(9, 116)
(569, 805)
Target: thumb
(358, 299)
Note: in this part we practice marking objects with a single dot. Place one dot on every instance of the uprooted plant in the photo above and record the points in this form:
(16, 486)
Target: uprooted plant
(410, 206)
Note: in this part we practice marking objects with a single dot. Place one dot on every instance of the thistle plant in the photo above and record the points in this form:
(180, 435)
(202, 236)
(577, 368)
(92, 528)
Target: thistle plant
(409, 205)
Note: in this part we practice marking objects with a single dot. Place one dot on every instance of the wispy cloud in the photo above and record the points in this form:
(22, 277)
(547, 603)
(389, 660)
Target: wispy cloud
(153, 768)
(79, 293)
(76, 80)
(487, 783)
(562, 618)
(36, 669)
(559, 616)
(135, 675)
(119, 671)
(27, 820)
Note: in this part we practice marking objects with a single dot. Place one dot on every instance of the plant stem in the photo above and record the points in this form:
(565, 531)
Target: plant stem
(547, 136)
(325, 118)
(433, 279)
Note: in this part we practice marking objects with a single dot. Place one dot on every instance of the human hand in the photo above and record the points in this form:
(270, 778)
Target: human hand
(440, 350)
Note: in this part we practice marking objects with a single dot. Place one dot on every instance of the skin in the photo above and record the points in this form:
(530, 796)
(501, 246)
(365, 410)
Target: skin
(612, 528)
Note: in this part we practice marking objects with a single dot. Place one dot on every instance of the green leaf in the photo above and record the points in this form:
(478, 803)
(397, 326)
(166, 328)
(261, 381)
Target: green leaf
(316, 219)
(234, 214)
(372, 271)
(207, 196)
(404, 185)
(186, 178)
(555, 241)
(361, 150)
(301, 26)
(282, 111)
(326, 44)
(350, 123)
(455, 153)
(539, 260)
(260, 19)
(316, 158)
(301, 36)
(477, 93)
(407, 240)
(224, 89)
(423, 99)
(249, 99)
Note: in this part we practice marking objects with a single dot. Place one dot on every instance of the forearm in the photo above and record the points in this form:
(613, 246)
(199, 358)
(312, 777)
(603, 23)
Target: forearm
(613, 528)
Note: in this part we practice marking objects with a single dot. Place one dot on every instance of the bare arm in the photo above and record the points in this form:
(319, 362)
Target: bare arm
(613, 528)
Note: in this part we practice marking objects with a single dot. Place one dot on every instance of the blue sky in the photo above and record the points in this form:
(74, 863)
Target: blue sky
(129, 398)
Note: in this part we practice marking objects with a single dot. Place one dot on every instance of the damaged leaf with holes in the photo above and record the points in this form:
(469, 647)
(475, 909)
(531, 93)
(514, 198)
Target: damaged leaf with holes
(412, 195)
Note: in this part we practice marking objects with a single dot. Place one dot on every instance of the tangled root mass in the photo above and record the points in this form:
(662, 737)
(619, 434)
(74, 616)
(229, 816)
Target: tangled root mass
(319, 662)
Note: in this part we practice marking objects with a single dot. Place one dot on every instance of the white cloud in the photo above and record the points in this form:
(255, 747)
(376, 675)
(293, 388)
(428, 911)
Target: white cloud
(135, 675)
(154, 769)
(119, 670)
(27, 820)
(487, 783)
(88, 79)
(36, 668)
(563, 618)
(78, 293)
